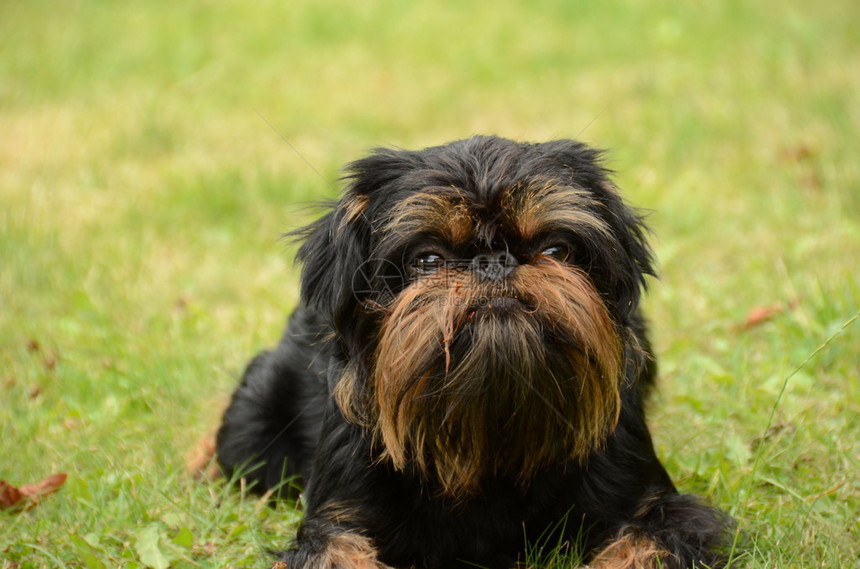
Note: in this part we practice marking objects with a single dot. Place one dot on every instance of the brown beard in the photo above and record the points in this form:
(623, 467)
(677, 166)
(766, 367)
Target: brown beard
(466, 390)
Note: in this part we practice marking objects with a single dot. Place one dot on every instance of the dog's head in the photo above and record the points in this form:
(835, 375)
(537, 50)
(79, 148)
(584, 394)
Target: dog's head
(481, 292)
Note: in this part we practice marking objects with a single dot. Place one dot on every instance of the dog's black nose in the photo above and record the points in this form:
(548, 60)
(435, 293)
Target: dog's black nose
(494, 266)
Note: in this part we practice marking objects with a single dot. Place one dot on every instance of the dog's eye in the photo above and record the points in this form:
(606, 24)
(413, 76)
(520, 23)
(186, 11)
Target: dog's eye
(427, 263)
(561, 253)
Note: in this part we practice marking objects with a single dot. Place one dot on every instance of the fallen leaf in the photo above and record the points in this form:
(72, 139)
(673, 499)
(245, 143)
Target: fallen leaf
(47, 486)
(9, 495)
(28, 495)
(181, 305)
(799, 153)
(761, 314)
(200, 461)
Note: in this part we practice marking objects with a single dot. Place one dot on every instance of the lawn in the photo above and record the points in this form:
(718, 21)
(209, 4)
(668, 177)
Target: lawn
(152, 154)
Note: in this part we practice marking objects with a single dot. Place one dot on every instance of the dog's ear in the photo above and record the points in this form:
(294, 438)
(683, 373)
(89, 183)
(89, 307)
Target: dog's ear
(334, 247)
(638, 259)
(338, 246)
(631, 259)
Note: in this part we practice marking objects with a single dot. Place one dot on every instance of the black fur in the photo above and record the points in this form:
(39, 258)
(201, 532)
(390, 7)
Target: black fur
(283, 421)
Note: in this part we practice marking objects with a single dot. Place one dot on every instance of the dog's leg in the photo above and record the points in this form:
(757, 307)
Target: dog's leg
(631, 551)
(270, 430)
(342, 550)
(327, 540)
(672, 531)
(642, 522)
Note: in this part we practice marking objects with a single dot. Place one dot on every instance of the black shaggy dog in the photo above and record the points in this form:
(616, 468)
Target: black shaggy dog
(466, 371)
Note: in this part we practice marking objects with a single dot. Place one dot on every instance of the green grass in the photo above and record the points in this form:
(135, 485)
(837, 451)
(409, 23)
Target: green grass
(142, 195)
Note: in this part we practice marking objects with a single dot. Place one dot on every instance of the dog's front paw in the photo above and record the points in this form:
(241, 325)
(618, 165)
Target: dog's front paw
(631, 550)
(343, 550)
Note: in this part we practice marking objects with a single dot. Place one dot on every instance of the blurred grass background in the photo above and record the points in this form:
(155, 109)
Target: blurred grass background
(143, 193)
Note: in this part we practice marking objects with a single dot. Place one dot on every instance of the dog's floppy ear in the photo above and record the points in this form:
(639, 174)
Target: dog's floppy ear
(637, 261)
(629, 265)
(334, 247)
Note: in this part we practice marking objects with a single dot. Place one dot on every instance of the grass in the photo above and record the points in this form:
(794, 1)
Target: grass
(142, 194)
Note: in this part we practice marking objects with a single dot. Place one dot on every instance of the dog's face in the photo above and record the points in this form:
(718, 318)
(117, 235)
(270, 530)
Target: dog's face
(481, 292)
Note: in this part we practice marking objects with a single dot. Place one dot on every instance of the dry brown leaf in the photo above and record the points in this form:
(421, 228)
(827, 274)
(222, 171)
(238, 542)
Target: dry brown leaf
(799, 153)
(47, 486)
(28, 495)
(201, 460)
(761, 314)
(9, 495)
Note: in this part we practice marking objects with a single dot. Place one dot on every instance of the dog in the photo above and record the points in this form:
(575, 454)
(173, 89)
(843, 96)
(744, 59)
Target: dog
(466, 372)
